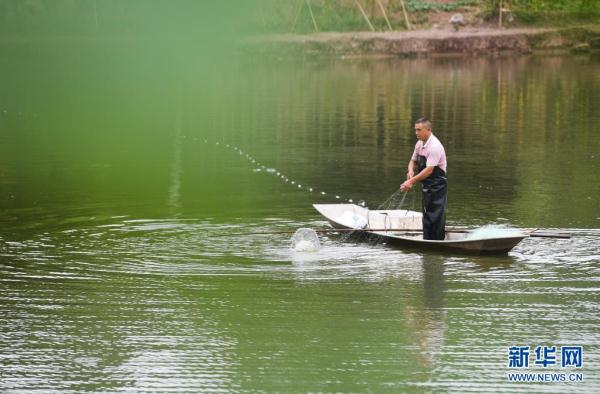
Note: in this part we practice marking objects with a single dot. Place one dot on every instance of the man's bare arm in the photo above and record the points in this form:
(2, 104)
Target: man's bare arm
(427, 171)
(411, 169)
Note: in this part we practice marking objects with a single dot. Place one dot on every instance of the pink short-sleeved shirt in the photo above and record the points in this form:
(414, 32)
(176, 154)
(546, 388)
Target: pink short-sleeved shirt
(433, 150)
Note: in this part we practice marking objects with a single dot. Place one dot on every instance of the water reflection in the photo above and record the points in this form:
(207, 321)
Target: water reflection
(174, 200)
(338, 126)
(494, 263)
(426, 314)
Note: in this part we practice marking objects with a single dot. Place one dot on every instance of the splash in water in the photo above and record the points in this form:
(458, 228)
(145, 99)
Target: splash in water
(305, 240)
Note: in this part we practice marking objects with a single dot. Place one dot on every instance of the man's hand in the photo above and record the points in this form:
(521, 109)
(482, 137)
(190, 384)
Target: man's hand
(407, 185)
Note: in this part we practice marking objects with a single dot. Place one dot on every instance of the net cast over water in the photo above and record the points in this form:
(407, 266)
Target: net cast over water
(305, 240)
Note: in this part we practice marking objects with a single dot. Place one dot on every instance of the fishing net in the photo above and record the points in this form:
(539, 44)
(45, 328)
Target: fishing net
(397, 201)
(305, 240)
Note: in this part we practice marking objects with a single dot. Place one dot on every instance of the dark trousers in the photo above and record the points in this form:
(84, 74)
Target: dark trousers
(434, 212)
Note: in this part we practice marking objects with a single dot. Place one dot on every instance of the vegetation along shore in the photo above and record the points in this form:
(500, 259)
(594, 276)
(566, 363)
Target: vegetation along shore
(410, 27)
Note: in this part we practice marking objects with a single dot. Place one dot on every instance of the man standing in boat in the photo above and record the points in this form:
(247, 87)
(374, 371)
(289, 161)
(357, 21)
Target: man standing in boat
(428, 166)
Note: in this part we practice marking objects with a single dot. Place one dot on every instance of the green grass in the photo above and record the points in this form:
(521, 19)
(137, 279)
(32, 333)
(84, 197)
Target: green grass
(343, 16)
(424, 6)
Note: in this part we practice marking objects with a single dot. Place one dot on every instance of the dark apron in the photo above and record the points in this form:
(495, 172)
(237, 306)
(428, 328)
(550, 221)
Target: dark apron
(435, 189)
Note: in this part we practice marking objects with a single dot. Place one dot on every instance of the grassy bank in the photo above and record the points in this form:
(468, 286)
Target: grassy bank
(311, 16)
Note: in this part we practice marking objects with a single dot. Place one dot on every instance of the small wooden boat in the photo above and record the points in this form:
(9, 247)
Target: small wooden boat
(404, 227)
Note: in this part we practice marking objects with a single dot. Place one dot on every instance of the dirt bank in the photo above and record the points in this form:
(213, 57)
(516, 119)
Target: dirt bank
(435, 42)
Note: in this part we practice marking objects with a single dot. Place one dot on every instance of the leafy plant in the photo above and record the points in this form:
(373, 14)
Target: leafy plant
(424, 6)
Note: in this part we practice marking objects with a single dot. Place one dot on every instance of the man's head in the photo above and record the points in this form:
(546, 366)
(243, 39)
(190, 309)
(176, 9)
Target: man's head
(423, 129)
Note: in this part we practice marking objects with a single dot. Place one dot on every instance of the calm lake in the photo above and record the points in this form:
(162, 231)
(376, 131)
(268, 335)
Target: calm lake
(134, 181)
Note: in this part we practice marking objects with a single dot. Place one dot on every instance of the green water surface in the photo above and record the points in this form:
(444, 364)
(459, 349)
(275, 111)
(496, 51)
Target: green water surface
(125, 200)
